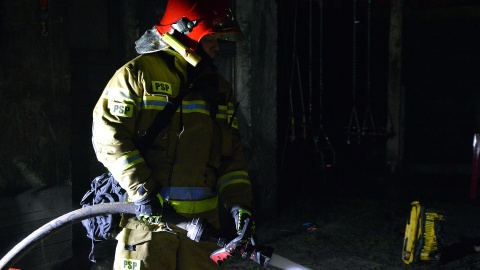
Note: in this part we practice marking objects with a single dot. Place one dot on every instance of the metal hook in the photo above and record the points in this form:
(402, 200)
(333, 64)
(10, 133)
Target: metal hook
(44, 29)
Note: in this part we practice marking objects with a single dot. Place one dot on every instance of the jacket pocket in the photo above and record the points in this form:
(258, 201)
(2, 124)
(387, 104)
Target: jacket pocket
(133, 245)
(134, 237)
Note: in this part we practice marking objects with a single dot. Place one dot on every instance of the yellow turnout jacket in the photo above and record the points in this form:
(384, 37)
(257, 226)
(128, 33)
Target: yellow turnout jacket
(195, 159)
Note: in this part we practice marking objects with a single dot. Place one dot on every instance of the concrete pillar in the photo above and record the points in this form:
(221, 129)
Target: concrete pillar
(395, 91)
(255, 85)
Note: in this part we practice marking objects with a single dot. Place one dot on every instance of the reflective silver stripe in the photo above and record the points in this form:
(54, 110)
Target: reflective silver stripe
(127, 161)
(121, 95)
(158, 104)
(195, 106)
(187, 193)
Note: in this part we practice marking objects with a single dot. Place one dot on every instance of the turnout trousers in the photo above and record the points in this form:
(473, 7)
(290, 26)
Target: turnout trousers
(162, 250)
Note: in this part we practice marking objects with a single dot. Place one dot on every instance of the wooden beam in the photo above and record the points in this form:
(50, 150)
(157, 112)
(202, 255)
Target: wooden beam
(395, 93)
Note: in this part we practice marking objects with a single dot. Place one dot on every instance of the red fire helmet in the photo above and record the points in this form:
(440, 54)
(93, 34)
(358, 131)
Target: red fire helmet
(190, 20)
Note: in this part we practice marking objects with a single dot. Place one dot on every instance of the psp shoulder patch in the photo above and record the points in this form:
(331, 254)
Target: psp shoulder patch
(121, 109)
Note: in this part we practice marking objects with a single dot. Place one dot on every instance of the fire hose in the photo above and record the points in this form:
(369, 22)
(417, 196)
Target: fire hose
(17, 252)
(196, 229)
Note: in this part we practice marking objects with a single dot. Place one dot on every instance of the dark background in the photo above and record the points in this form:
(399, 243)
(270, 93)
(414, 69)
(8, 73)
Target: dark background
(49, 85)
(349, 92)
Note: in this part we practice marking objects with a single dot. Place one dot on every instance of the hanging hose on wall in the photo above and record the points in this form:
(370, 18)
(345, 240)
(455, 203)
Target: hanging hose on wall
(290, 130)
(43, 16)
(310, 59)
(300, 88)
(368, 127)
(290, 88)
(322, 143)
(353, 128)
(296, 68)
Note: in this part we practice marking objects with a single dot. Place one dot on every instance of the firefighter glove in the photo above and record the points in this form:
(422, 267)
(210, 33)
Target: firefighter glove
(150, 208)
(244, 224)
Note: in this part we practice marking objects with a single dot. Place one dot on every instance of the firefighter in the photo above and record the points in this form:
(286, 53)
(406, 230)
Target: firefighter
(196, 161)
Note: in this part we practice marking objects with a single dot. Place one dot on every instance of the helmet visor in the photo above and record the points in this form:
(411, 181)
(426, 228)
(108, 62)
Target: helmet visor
(224, 24)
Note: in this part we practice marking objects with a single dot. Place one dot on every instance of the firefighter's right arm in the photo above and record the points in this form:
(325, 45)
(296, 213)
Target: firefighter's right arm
(113, 130)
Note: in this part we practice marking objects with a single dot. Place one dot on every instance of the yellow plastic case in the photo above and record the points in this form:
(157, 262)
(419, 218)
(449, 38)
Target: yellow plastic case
(423, 234)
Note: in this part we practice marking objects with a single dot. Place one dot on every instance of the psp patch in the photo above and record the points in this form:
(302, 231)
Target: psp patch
(131, 264)
(159, 87)
(121, 109)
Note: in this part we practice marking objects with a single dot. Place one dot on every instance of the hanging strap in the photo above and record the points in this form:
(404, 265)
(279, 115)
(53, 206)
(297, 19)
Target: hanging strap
(353, 125)
(163, 117)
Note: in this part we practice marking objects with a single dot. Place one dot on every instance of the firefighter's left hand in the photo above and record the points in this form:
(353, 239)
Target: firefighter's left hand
(150, 209)
(244, 224)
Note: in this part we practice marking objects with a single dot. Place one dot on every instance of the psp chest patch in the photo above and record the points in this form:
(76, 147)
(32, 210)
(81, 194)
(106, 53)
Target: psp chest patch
(121, 109)
(159, 87)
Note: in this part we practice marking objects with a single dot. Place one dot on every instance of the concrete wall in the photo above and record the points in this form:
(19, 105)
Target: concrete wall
(35, 126)
(35, 97)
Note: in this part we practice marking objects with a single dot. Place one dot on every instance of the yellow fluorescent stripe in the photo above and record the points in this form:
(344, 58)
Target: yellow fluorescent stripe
(233, 178)
(235, 173)
(194, 102)
(198, 110)
(239, 181)
(156, 98)
(194, 207)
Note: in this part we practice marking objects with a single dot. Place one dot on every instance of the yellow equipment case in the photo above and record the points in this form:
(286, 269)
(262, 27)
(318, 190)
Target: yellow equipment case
(423, 235)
